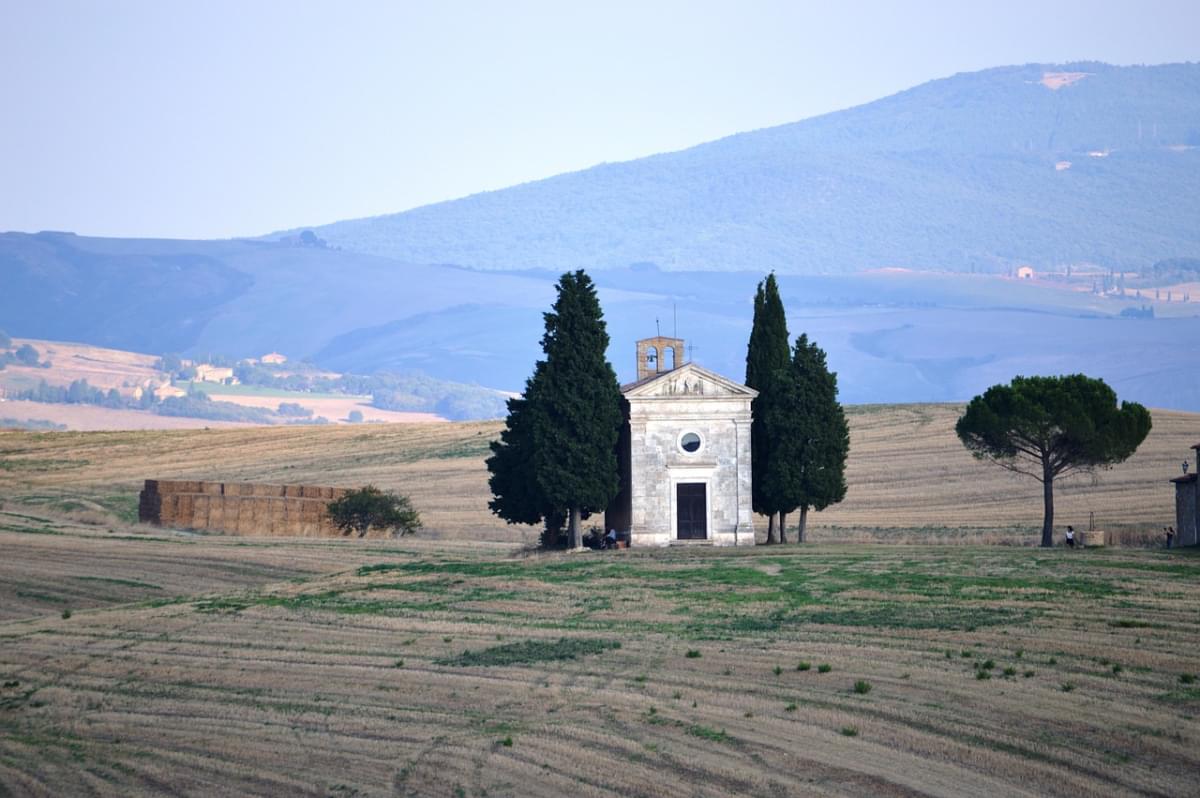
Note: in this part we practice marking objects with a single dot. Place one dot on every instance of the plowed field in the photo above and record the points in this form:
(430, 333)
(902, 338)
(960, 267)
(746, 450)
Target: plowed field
(205, 666)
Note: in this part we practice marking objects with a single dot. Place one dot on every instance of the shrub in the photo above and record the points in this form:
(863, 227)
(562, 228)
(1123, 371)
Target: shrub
(66, 614)
(777, 670)
(1067, 687)
(862, 687)
(1028, 674)
(27, 355)
(692, 654)
(369, 507)
(790, 707)
(988, 665)
(849, 731)
(1116, 669)
(1010, 671)
(507, 742)
(1187, 678)
(804, 666)
(355, 417)
(294, 410)
(824, 668)
(982, 675)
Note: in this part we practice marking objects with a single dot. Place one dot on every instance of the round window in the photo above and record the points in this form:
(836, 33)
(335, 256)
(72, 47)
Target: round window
(690, 442)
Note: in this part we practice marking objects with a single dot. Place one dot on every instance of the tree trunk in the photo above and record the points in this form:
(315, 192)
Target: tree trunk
(1048, 517)
(782, 527)
(576, 532)
(803, 523)
(771, 528)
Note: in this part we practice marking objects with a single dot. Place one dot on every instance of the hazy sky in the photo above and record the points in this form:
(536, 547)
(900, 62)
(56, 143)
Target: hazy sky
(215, 119)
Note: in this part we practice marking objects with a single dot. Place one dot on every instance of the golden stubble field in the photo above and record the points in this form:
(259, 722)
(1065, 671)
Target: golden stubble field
(137, 661)
(167, 664)
(910, 479)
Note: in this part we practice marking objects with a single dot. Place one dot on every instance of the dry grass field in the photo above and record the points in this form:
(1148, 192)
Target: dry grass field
(166, 664)
(114, 368)
(102, 368)
(458, 663)
(910, 479)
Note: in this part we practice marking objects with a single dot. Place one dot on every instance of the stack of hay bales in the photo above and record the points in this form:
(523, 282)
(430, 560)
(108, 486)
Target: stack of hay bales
(239, 508)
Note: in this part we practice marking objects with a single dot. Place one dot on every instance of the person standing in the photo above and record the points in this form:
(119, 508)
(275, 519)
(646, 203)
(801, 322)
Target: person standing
(1070, 536)
(1170, 535)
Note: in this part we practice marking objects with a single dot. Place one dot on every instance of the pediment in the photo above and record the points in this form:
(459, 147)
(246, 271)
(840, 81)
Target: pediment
(691, 381)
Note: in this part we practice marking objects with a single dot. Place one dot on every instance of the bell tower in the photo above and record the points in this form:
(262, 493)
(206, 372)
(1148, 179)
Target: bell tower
(658, 355)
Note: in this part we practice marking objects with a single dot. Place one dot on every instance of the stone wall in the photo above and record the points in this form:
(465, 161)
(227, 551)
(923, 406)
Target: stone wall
(239, 508)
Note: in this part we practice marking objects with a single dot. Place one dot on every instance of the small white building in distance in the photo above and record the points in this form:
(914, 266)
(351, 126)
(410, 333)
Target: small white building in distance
(1025, 273)
(221, 374)
(273, 358)
(684, 454)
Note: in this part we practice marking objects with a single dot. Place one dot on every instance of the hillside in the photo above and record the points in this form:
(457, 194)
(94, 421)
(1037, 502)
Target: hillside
(963, 173)
(83, 387)
(909, 476)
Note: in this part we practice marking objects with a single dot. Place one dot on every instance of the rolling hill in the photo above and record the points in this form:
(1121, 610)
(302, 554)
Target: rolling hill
(956, 176)
(969, 173)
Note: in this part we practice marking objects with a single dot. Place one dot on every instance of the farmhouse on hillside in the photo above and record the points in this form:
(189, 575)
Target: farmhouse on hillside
(1187, 505)
(684, 454)
(221, 374)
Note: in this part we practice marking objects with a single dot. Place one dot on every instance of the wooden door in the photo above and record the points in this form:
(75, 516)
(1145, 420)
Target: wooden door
(691, 511)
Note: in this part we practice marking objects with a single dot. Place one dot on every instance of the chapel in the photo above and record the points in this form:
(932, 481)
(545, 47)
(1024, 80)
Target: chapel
(684, 454)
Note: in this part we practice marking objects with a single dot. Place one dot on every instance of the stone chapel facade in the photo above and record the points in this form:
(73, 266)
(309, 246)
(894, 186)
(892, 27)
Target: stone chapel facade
(684, 454)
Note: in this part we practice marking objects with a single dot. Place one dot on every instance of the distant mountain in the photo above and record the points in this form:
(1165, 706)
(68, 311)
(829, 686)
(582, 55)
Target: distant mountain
(967, 173)
(891, 336)
(1040, 164)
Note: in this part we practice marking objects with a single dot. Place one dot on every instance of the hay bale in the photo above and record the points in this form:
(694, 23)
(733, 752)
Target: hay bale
(293, 491)
(268, 490)
(212, 488)
(185, 509)
(200, 509)
(216, 513)
(169, 509)
(1092, 538)
(149, 508)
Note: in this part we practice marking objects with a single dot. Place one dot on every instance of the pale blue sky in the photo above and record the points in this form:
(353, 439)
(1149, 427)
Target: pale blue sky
(216, 119)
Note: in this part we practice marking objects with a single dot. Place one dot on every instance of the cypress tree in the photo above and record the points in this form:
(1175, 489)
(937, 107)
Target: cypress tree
(576, 413)
(515, 494)
(766, 356)
(812, 438)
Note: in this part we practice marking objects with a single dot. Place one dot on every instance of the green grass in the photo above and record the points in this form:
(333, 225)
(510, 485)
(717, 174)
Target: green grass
(707, 733)
(529, 651)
